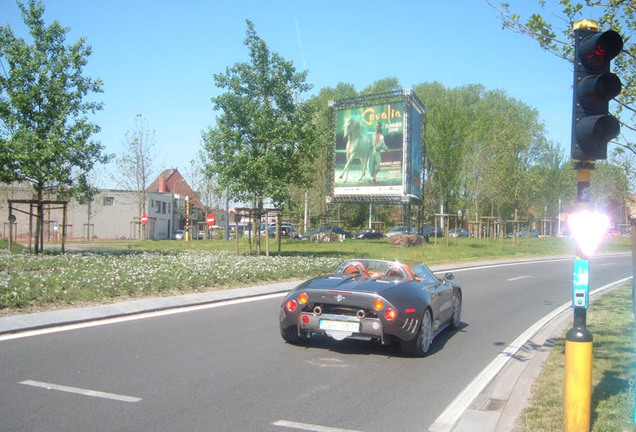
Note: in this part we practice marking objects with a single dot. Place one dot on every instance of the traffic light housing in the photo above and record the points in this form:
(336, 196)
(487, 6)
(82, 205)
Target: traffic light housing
(594, 86)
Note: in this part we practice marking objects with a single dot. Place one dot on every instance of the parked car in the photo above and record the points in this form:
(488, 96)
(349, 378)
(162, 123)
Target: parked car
(401, 230)
(431, 231)
(458, 232)
(286, 230)
(373, 300)
(325, 229)
(522, 233)
(367, 233)
(179, 234)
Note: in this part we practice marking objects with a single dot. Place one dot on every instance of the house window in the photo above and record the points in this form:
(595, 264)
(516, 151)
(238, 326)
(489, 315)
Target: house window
(163, 207)
(109, 201)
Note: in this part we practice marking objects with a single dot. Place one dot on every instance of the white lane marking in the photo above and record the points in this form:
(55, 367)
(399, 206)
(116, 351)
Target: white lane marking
(328, 362)
(517, 278)
(84, 392)
(309, 427)
(549, 260)
(489, 266)
(451, 415)
(143, 315)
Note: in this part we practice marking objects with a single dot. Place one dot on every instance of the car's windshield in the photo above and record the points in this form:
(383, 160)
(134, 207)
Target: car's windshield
(424, 273)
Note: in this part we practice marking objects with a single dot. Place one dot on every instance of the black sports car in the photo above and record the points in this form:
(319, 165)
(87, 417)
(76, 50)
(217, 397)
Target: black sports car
(370, 299)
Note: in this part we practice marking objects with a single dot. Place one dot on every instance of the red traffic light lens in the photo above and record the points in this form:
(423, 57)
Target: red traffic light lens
(598, 49)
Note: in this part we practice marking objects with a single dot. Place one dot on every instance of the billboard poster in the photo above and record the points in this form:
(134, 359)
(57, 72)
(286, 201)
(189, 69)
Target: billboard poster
(370, 150)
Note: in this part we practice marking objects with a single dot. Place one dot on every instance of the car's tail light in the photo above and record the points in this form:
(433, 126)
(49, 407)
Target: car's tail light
(305, 319)
(410, 310)
(302, 298)
(390, 314)
(378, 304)
(291, 305)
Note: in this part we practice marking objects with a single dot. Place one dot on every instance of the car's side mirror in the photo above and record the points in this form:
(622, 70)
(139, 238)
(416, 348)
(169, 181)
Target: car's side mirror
(449, 277)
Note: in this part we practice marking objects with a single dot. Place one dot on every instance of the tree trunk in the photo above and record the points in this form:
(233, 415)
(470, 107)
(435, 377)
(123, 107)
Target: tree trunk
(39, 218)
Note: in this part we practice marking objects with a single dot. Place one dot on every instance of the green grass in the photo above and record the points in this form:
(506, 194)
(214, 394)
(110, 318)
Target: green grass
(440, 252)
(611, 321)
(108, 271)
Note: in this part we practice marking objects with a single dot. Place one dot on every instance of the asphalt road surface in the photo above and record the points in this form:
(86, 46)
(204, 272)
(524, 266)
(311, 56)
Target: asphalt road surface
(226, 368)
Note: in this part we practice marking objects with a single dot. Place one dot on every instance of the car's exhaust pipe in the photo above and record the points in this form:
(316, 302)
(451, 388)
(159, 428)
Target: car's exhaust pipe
(361, 314)
(317, 310)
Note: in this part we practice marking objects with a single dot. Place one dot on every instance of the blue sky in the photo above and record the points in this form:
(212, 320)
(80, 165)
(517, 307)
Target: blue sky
(157, 58)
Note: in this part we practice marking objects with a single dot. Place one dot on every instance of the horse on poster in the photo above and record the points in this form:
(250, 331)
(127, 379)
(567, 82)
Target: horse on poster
(359, 146)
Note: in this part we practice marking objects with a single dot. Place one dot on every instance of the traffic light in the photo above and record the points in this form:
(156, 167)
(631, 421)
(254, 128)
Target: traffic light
(594, 86)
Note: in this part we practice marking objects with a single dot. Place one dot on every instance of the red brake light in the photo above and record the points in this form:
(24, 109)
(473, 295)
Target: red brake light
(291, 305)
(410, 310)
(390, 314)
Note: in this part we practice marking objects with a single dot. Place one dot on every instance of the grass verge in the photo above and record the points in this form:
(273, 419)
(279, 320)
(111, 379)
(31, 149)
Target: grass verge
(611, 320)
(102, 272)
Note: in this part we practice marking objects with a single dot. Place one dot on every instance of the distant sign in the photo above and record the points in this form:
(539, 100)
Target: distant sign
(210, 219)
(144, 219)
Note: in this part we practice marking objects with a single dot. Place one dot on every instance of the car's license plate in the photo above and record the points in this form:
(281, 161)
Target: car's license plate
(340, 326)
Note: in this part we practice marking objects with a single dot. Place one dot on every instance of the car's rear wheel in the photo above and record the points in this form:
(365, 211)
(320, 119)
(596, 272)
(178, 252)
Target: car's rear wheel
(457, 311)
(419, 346)
(290, 335)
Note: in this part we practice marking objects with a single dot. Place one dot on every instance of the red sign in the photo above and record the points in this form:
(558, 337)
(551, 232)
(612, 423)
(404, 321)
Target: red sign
(144, 219)
(210, 219)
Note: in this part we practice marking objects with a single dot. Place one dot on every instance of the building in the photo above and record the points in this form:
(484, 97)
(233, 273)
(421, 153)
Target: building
(111, 214)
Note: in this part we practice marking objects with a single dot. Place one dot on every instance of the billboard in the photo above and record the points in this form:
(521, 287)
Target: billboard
(369, 150)
(377, 153)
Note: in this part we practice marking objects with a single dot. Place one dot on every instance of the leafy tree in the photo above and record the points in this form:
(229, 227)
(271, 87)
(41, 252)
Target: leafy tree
(262, 142)
(450, 113)
(552, 179)
(319, 107)
(553, 31)
(502, 139)
(44, 130)
(609, 187)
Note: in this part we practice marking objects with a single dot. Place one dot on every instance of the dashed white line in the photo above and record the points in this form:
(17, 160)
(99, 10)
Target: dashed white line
(309, 427)
(517, 278)
(84, 392)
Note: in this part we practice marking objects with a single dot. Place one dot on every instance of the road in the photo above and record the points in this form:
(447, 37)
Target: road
(227, 369)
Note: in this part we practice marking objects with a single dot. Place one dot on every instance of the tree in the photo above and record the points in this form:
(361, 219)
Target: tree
(553, 180)
(450, 114)
(555, 35)
(262, 142)
(136, 168)
(499, 155)
(44, 130)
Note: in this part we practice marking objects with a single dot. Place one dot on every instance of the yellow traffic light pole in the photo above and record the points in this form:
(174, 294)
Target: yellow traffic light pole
(577, 394)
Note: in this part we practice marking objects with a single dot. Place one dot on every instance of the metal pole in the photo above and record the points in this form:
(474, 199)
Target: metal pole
(577, 395)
